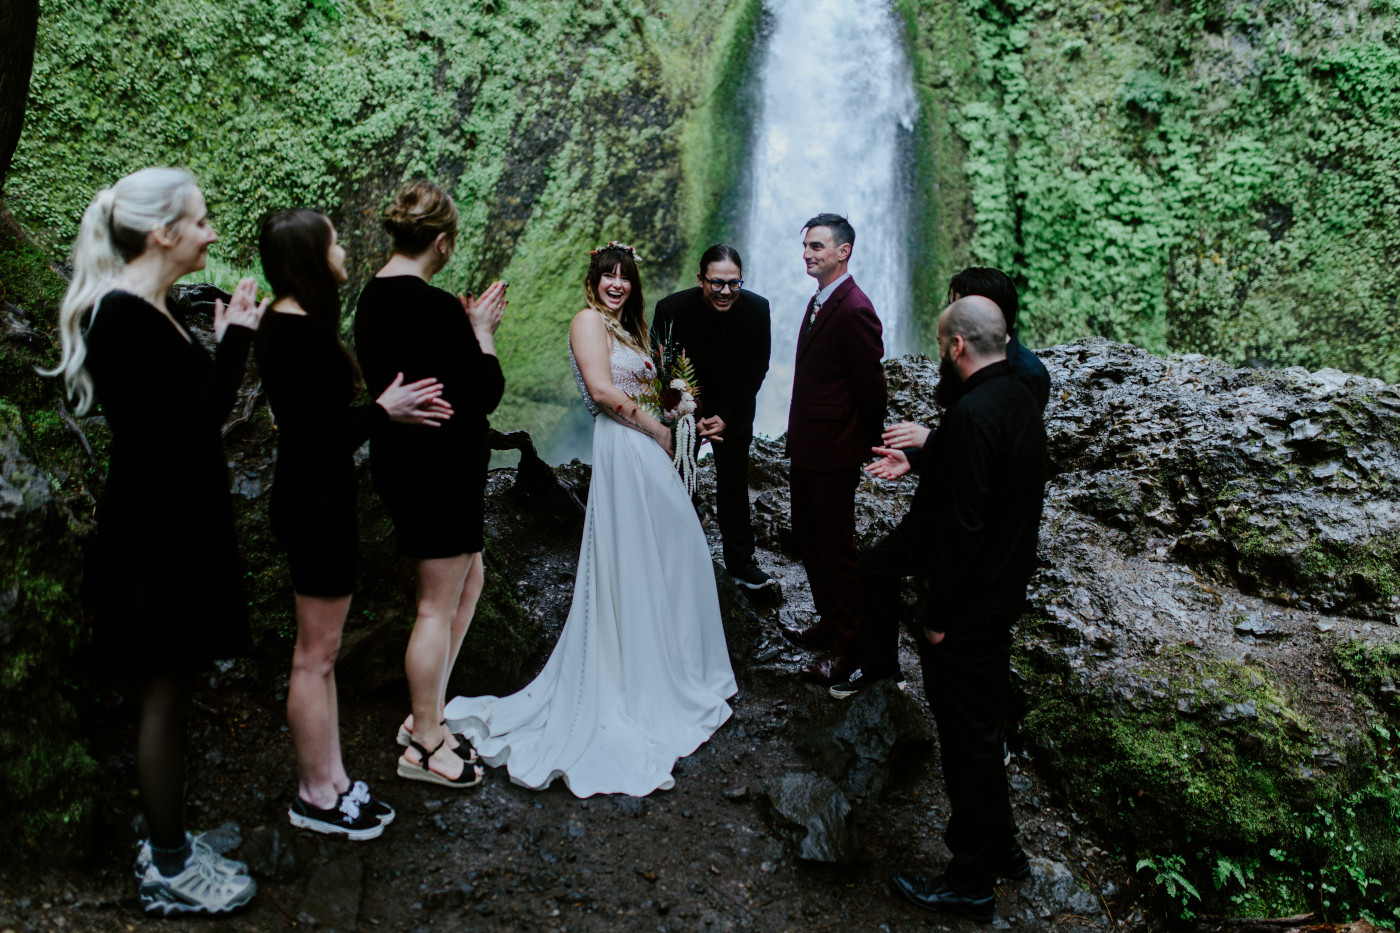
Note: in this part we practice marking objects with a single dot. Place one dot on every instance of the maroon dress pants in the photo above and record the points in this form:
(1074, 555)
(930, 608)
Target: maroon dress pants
(824, 527)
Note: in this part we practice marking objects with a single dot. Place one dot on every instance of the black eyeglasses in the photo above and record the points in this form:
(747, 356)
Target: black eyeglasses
(718, 285)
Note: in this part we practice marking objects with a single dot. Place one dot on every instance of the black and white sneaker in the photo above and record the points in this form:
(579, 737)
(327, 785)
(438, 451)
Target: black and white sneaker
(201, 849)
(859, 681)
(749, 575)
(199, 889)
(344, 819)
(381, 811)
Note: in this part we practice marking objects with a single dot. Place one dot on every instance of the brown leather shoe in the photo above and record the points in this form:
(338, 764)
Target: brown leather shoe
(817, 636)
(829, 669)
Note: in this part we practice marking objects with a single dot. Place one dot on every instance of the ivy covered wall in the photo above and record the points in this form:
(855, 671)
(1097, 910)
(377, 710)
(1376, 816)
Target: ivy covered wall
(1220, 176)
(558, 126)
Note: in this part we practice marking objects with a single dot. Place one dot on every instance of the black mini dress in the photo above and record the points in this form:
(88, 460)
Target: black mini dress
(163, 577)
(310, 383)
(432, 480)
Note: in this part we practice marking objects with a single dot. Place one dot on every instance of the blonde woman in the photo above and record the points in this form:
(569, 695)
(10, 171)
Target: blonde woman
(433, 479)
(640, 675)
(163, 575)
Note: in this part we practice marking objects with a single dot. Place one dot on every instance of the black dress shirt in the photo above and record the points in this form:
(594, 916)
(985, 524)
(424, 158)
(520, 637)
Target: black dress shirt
(730, 350)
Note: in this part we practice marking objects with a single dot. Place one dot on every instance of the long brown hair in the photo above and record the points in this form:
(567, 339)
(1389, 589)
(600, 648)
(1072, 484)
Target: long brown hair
(629, 325)
(294, 246)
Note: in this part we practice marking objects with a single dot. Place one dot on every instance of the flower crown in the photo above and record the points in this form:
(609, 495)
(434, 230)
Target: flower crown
(616, 246)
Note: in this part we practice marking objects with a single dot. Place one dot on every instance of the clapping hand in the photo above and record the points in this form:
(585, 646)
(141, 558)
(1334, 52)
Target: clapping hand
(485, 312)
(905, 435)
(242, 308)
(892, 463)
(418, 402)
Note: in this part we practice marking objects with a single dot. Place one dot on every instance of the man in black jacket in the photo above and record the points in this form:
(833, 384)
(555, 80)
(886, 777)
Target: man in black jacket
(725, 332)
(899, 554)
(977, 513)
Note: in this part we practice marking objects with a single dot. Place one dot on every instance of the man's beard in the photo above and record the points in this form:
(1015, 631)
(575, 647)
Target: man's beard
(950, 386)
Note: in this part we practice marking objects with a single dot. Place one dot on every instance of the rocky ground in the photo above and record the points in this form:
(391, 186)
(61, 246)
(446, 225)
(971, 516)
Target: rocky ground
(1214, 550)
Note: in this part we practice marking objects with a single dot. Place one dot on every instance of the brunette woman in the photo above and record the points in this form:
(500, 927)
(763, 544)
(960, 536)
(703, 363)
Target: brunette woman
(311, 380)
(433, 482)
(163, 574)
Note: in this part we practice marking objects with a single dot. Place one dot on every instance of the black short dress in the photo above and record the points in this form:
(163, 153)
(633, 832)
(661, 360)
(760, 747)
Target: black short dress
(432, 480)
(310, 382)
(163, 577)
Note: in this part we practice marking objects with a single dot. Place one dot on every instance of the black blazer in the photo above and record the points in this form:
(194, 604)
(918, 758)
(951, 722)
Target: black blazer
(730, 350)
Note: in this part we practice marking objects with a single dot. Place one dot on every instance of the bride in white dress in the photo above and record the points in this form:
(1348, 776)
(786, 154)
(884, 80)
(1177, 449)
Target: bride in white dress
(640, 675)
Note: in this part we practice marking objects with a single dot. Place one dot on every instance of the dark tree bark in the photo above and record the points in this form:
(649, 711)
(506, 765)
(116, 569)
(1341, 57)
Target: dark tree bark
(19, 23)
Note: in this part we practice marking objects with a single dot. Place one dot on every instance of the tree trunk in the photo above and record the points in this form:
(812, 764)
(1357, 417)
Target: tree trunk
(19, 22)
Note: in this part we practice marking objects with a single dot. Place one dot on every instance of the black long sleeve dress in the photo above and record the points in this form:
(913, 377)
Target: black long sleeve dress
(432, 480)
(164, 579)
(310, 383)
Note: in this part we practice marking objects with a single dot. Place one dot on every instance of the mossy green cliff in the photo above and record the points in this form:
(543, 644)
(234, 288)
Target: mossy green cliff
(558, 126)
(1215, 176)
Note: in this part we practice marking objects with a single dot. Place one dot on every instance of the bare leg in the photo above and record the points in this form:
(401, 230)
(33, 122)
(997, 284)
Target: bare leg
(311, 712)
(440, 583)
(160, 757)
(466, 608)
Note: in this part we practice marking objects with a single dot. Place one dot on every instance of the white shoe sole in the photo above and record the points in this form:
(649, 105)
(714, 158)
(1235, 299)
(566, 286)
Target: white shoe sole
(750, 586)
(327, 829)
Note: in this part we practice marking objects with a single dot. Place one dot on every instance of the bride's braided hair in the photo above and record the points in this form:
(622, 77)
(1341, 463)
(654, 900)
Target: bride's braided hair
(628, 325)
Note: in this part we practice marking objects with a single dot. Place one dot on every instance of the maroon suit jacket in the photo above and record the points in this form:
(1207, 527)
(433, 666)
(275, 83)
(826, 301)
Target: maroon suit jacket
(838, 386)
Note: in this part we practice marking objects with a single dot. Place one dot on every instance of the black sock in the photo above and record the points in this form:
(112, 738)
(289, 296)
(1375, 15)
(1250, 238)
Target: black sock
(170, 862)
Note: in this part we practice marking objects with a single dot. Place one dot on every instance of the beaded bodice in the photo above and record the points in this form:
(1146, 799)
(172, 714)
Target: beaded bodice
(630, 370)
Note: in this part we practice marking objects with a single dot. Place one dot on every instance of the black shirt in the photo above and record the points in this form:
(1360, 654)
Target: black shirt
(1028, 368)
(730, 350)
(981, 514)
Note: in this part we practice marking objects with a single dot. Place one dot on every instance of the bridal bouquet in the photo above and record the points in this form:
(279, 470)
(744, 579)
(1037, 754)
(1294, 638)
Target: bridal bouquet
(673, 395)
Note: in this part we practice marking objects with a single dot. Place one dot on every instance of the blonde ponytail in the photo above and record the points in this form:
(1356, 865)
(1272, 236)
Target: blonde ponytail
(112, 233)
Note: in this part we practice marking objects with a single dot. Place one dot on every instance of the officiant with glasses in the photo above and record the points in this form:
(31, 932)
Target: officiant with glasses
(725, 332)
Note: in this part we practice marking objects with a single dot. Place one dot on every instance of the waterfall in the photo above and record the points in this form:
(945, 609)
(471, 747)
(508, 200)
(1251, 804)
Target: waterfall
(835, 109)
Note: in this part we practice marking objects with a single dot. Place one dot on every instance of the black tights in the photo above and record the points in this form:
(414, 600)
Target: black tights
(160, 756)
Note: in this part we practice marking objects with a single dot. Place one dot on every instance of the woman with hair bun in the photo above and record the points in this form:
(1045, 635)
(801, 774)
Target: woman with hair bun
(433, 481)
(163, 575)
(311, 380)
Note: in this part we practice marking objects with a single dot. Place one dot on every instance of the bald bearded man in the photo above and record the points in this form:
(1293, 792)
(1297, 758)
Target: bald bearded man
(977, 511)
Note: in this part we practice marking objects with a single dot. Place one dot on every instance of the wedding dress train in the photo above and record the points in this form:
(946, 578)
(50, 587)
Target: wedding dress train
(641, 674)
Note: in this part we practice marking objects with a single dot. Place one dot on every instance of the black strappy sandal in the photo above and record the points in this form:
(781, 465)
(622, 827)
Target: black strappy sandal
(470, 756)
(472, 774)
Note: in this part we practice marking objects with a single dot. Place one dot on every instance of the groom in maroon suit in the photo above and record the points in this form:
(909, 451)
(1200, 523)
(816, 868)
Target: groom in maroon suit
(837, 415)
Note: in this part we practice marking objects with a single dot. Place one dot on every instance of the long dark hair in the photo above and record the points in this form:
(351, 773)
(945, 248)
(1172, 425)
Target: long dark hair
(294, 246)
(632, 319)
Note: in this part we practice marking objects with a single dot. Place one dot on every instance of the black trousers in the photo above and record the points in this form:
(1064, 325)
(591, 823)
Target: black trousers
(883, 567)
(732, 496)
(967, 679)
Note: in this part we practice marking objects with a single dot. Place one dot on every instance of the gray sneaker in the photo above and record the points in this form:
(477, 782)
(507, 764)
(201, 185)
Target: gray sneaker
(202, 850)
(199, 889)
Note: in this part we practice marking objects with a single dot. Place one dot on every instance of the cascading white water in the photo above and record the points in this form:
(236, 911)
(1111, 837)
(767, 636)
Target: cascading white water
(835, 109)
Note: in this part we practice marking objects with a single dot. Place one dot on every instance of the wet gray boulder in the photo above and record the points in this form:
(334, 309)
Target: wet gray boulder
(810, 813)
(864, 740)
(1050, 893)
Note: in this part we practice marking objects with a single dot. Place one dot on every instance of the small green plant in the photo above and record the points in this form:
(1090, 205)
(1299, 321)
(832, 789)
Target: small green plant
(1167, 872)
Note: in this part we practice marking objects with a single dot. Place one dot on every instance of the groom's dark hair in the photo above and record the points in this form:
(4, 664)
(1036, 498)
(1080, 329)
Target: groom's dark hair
(840, 227)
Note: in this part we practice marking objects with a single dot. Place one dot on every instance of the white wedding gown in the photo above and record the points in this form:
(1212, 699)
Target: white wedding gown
(640, 675)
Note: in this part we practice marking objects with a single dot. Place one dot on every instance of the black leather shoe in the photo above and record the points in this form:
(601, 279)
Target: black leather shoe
(1016, 865)
(859, 680)
(818, 637)
(936, 894)
(829, 669)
